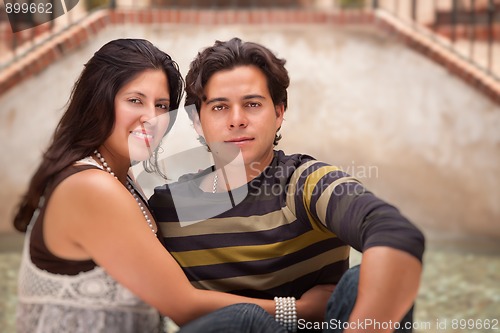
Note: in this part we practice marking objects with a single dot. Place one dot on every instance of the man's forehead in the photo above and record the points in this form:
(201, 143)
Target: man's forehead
(241, 84)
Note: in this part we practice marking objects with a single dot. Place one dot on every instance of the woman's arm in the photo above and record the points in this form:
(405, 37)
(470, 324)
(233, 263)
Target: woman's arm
(91, 215)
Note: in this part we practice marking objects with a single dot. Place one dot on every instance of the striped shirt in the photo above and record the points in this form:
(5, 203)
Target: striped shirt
(285, 231)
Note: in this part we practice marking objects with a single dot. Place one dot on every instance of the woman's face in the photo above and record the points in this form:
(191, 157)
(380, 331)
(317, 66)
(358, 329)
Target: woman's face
(141, 116)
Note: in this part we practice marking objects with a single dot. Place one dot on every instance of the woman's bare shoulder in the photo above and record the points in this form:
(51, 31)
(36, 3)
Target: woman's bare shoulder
(88, 192)
(90, 180)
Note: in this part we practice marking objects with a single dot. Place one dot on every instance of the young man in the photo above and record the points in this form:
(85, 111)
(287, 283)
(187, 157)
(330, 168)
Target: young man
(289, 222)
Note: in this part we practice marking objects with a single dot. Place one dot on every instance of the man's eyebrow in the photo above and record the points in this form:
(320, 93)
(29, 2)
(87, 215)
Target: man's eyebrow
(253, 96)
(216, 99)
(224, 99)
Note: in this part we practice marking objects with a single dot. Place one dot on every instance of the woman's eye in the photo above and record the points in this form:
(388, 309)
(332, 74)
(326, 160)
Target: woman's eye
(134, 100)
(164, 107)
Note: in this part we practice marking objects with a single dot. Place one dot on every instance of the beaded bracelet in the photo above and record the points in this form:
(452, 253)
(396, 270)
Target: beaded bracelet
(286, 313)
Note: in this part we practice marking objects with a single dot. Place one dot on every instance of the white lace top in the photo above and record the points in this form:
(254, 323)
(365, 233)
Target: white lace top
(90, 301)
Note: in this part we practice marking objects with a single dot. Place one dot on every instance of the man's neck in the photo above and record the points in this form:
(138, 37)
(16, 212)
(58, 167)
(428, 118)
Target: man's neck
(239, 174)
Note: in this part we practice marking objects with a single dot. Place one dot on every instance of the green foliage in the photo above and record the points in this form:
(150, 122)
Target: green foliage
(352, 3)
(93, 4)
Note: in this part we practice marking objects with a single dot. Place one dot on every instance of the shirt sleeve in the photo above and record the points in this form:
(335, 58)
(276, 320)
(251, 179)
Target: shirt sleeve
(358, 217)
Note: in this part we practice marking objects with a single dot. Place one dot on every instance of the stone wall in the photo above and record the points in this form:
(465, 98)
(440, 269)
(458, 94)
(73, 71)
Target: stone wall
(402, 121)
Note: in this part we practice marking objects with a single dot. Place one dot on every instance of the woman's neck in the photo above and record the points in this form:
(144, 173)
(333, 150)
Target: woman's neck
(115, 165)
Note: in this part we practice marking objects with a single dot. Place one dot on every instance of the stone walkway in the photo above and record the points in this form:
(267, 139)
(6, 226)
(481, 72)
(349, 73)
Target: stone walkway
(460, 288)
(459, 285)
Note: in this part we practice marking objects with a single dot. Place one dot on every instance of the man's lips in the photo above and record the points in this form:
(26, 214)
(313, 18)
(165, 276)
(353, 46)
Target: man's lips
(239, 140)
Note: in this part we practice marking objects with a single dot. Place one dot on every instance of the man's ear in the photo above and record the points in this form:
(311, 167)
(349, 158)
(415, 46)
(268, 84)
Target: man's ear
(280, 113)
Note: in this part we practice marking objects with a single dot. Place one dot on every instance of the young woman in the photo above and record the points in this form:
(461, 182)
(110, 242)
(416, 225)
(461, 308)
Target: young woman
(92, 261)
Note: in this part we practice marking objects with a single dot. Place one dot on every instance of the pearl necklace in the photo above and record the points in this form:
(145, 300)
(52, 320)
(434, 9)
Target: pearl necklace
(130, 188)
(214, 188)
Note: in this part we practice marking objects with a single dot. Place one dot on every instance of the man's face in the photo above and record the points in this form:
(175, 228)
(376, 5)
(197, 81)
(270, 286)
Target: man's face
(239, 114)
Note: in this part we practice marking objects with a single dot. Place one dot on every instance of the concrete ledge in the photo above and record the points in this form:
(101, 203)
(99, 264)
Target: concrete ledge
(79, 34)
(481, 32)
(51, 50)
(442, 55)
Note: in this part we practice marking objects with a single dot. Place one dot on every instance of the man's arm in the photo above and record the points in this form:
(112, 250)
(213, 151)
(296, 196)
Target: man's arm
(392, 246)
(388, 285)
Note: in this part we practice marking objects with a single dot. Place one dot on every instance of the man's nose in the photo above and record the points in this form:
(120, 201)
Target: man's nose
(237, 118)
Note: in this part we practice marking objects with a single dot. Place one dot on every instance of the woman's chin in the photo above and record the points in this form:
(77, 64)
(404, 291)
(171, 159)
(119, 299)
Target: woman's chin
(141, 150)
(140, 154)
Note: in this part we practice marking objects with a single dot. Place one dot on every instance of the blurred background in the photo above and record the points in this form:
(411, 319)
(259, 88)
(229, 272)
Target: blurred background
(403, 94)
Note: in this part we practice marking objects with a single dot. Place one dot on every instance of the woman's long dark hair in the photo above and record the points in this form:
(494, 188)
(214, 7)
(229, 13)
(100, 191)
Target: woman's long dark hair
(89, 118)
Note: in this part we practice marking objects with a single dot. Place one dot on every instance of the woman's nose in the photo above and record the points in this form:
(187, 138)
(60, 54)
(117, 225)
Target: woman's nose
(149, 116)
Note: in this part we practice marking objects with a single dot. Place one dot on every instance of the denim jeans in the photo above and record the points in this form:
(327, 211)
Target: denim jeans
(342, 301)
(238, 318)
(250, 318)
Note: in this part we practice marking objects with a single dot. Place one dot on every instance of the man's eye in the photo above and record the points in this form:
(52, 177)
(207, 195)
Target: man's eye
(218, 108)
(253, 104)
